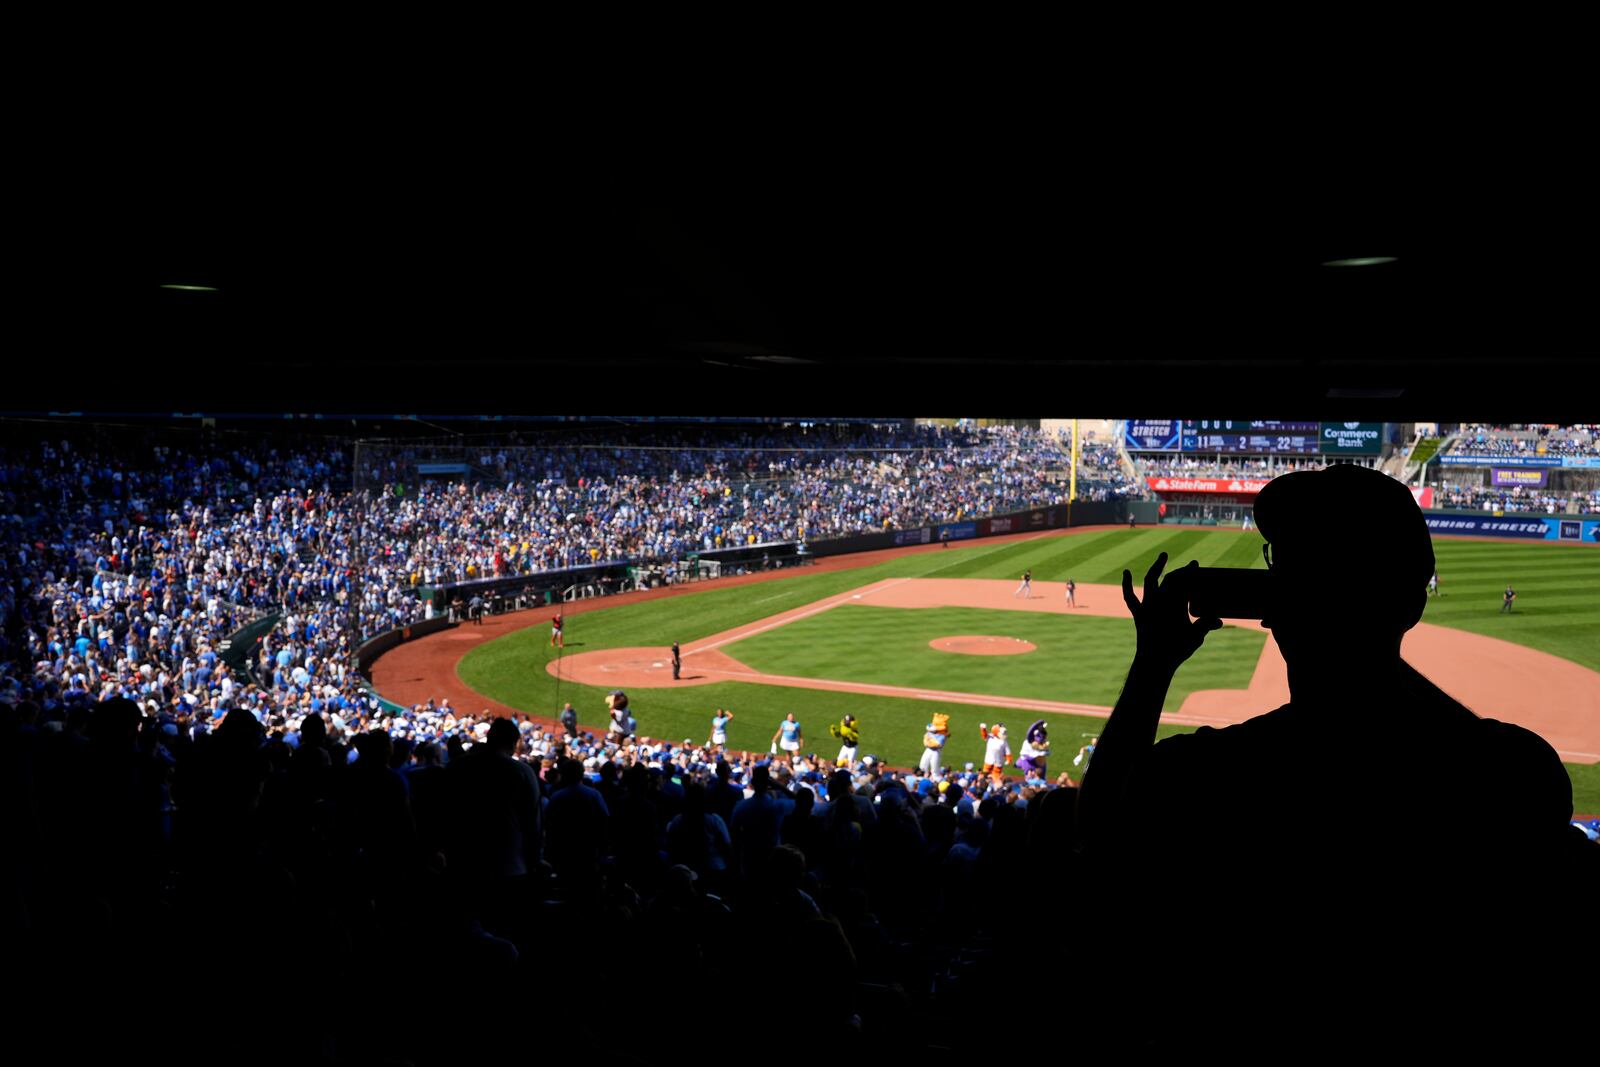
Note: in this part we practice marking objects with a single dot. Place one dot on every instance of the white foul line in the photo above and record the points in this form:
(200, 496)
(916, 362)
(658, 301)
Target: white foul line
(820, 607)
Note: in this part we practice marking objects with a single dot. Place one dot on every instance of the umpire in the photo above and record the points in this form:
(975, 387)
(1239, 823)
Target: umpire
(677, 661)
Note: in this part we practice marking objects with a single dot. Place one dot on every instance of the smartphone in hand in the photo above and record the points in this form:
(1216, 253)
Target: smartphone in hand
(1229, 593)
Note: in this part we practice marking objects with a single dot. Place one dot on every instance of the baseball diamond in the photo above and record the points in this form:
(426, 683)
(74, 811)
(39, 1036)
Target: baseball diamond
(832, 644)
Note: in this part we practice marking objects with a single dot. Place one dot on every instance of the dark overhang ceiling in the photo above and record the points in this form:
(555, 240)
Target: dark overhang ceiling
(1150, 285)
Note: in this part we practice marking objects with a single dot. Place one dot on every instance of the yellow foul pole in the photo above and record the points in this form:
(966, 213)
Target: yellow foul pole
(1072, 492)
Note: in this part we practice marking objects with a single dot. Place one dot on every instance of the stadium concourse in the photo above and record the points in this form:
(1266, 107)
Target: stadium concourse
(286, 869)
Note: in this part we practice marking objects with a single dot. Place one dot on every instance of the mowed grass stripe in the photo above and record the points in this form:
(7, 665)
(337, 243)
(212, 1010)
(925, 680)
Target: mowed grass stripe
(1013, 558)
(1558, 595)
(1092, 566)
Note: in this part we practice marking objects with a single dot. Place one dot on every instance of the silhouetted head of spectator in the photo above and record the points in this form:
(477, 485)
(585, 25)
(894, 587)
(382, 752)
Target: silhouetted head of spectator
(839, 785)
(724, 772)
(427, 754)
(503, 737)
(375, 748)
(760, 778)
(570, 771)
(785, 868)
(239, 727)
(115, 722)
(1350, 558)
(609, 773)
(77, 719)
(939, 824)
(313, 732)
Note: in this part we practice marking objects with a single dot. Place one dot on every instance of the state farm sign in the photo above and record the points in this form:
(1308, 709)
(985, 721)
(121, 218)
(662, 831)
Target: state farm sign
(1207, 485)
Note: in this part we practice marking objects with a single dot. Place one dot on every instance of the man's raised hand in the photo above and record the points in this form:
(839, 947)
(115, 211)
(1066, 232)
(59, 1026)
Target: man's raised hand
(1167, 636)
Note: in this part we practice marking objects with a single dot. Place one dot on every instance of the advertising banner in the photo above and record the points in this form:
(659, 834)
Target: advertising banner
(1580, 461)
(1000, 526)
(958, 531)
(1457, 460)
(913, 537)
(1207, 485)
(1489, 526)
(1535, 479)
(1585, 530)
(1036, 520)
(1352, 438)
(1152, 435)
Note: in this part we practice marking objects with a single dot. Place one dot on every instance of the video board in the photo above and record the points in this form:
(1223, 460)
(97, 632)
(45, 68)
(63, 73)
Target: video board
(1240, 435)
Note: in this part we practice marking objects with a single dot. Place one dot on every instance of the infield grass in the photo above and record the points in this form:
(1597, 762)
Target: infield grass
(1082, 659)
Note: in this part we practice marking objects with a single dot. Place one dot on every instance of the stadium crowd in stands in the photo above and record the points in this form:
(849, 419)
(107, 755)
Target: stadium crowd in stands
(1516, 499)
(131, 555)
(1500, 441)
(1241, 467)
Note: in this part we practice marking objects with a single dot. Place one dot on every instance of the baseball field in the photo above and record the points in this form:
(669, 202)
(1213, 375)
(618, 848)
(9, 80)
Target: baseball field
(893, 637)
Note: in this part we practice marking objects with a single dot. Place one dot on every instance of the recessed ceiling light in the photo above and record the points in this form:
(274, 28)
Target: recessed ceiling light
(1364, 261)
(1368, 393)
(192, 288)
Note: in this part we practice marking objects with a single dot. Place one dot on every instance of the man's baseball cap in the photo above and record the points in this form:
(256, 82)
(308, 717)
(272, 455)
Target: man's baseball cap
(1358, 517)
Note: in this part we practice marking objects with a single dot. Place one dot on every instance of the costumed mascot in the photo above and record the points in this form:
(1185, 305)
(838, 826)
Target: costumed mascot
(622, 720)
(1035, 750)
(849, 734)
(996, 750)
(933, 739)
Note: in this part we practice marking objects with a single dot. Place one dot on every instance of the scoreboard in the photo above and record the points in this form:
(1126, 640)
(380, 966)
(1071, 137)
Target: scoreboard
(1257, 437)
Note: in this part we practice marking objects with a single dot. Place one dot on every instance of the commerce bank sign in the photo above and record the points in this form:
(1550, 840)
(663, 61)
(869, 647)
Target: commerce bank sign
(1365, 438)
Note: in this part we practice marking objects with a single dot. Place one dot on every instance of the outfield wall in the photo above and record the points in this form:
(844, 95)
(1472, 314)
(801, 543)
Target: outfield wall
(374, 647)
(1054, 517)
(1568, 528)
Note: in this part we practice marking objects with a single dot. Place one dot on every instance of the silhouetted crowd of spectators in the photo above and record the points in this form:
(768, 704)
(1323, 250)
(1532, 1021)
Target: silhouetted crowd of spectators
(328, 857)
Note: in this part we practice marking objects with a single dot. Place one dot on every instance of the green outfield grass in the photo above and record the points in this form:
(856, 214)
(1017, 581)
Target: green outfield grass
(1558, 610)
(1081, 659)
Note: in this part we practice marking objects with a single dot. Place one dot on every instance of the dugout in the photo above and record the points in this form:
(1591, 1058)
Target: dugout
(518, 591)
(769, 555)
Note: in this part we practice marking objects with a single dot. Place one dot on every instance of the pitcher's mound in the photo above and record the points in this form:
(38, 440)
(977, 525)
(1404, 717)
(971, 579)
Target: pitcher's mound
(983, 646)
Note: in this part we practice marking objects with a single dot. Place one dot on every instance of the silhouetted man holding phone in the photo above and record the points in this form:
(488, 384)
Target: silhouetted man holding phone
(1325, 889)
